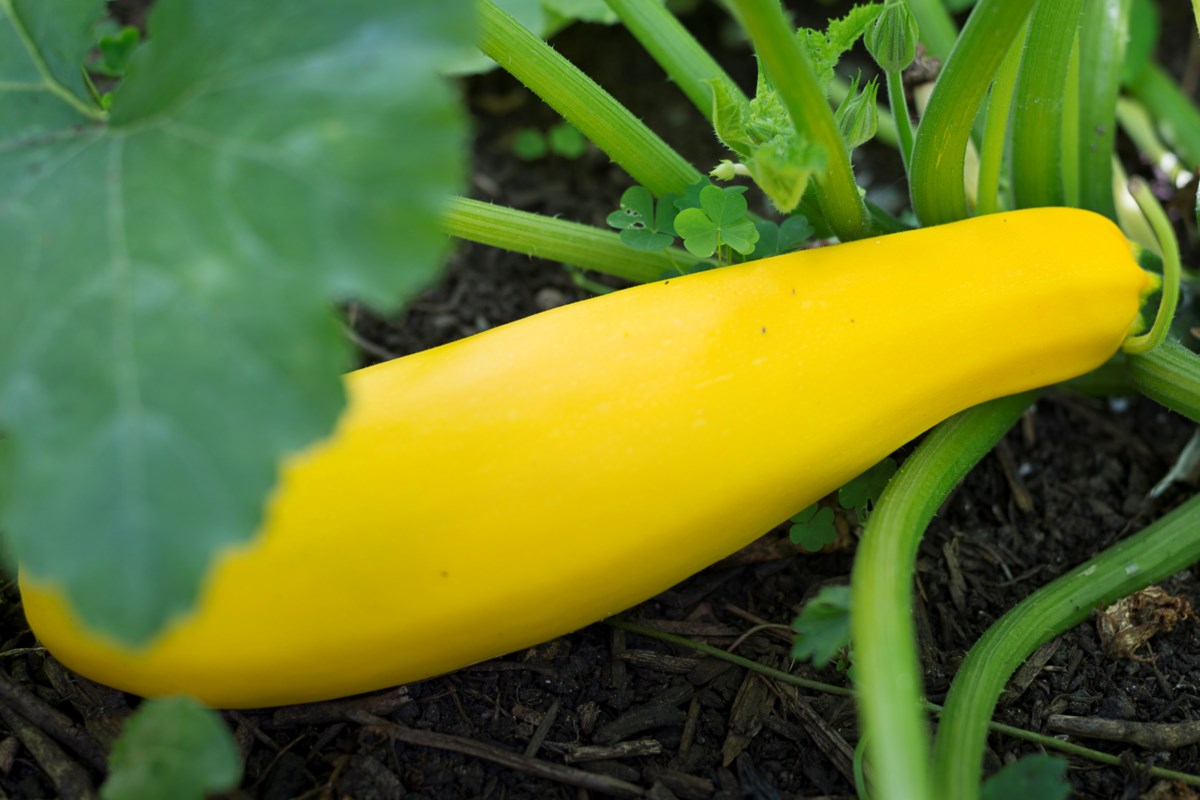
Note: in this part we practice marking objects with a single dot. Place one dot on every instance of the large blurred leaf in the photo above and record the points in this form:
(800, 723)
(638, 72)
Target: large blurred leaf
(166, 324)
(173, 747)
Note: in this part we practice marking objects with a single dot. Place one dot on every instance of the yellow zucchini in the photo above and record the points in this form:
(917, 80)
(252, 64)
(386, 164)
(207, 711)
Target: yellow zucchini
(491, 494)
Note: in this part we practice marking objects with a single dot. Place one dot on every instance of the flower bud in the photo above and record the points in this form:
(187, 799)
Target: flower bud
(858, 117)
(892, 40)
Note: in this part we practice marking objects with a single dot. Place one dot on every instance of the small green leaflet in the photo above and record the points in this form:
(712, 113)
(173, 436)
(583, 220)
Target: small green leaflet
(823, 627)
(1035, 777)
(861, 493)
(562, 139)
(173, 747)
(114, 48)
(813, 528)
(720, 220)
(645, 225)
(777, 239)
(167, 326)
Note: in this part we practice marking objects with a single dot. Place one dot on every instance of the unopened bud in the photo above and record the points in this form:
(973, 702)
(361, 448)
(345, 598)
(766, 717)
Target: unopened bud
(892, 40)
(857, 116)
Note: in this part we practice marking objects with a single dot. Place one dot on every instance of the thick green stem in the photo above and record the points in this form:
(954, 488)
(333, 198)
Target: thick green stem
(781, 55)
(1102, 34)
(936, 184)
(1169, 374)
(1037, 135)
(1167, 546)
(995, 130)
(1177, 116)
(683, 58)
(559, 240)
(1070, 130)
(1135, 120)
(597, 114)
(938, 31)
(899, 106)
(881, 624)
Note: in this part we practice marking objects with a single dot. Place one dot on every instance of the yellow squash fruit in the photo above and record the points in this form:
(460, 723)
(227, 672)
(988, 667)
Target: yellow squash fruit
(490, 494)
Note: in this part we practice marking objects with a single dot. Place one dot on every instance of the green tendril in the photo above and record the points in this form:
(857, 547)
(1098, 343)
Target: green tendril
(1169, 246)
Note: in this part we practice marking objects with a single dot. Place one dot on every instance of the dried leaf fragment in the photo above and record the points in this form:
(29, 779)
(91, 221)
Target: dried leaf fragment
(1127, 625)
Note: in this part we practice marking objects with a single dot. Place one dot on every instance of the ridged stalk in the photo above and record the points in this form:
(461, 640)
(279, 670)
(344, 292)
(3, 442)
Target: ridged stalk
(679, 54)
(1169, 374)
(1160, 550)
(1037, 135)
(995, 129)
(1103, 30)
(580, 100)
(888, 669)
(936, 184)
(558, 240)
(781, 55)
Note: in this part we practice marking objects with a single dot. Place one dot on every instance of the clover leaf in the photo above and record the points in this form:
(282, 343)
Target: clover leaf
(720, 220)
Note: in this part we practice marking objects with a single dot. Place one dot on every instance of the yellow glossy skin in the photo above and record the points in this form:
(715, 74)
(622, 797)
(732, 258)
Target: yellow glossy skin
(493, 493)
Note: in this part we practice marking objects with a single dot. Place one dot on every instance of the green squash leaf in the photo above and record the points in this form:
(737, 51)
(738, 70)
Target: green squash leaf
(167, 327)
(823, 627)
(173, 747)
(1035, 777)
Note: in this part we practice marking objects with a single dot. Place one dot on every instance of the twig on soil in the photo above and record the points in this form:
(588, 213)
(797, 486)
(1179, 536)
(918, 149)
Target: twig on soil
(476, 749)
(49, 719)
(1150, 735)
(69, 778)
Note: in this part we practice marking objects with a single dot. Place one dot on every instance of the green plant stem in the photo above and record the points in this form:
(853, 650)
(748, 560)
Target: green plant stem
(1158, 551)
(1169, 374)
(1037, 130)
(1168, 246)
(1177, 116)
(787, 66)
(888, 671)
(597, 114)
(1039, 739)
(995, 130)
(725, 655)
(1103, 30)
(1070, 129)
(558, 240)
(1139, 126)
(938, 31)
(936, 183)
(670, 44)
(899, 106)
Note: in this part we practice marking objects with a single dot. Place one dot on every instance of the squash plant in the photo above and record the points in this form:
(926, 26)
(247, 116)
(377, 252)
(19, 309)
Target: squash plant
(243, 175)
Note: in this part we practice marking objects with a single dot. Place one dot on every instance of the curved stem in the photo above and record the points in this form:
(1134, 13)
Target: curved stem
(936, 183)
(888, 670)
(1169, 247)
(995, 130)
(785, 63)
(1177, 116)
(1169, 374)
(558, 240)
(670, 44)
(899, 106)
(1037, 136)
(1102, 34)
(596, 113)
(1158, 551)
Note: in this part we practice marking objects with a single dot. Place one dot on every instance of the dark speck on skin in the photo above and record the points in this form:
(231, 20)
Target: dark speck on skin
(764, 329)
(445, 574)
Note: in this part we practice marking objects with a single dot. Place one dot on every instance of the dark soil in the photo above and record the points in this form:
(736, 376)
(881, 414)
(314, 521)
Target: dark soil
(630, 715)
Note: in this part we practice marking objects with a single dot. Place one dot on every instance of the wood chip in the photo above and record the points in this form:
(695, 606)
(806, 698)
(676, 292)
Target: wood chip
(630, 749)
